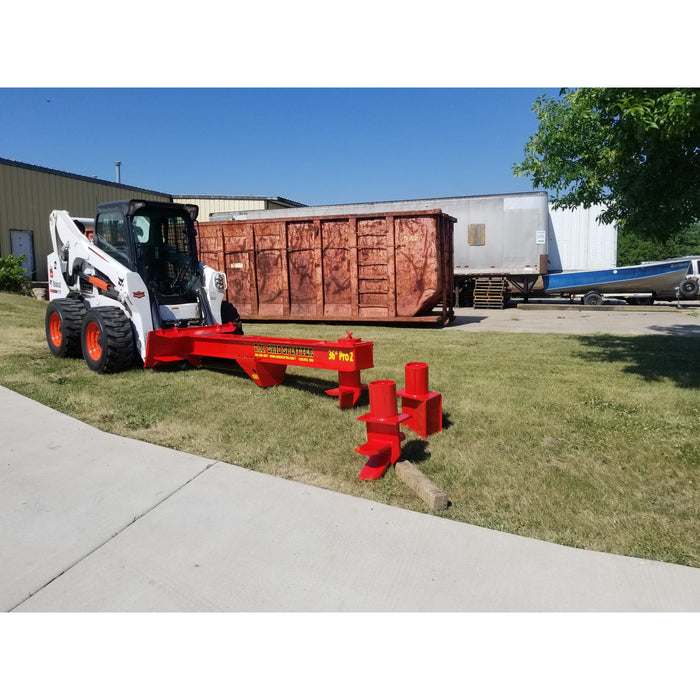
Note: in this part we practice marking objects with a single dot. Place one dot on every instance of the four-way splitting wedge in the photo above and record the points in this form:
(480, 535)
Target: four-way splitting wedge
(423, 406)
(383, 446)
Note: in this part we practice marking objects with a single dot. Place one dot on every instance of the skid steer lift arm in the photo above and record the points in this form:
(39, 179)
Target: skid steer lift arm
(265, 359)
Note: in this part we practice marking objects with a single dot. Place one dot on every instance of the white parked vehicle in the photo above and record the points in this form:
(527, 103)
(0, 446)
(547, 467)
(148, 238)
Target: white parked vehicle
(689, 287)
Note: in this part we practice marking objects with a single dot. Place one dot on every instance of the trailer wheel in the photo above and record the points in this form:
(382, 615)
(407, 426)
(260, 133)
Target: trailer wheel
(592, 299)
(229, 314)
(107, 340)
(689, 288)
(64, 319)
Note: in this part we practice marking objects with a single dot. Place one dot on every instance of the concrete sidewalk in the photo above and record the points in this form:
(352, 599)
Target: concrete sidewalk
(94, 522)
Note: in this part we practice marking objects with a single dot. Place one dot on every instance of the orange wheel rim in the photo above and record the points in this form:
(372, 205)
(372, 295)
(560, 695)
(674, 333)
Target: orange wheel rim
(92, 341)
(55, 330)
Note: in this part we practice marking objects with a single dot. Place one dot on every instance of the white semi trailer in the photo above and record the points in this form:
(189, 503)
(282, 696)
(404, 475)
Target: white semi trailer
(502, 240)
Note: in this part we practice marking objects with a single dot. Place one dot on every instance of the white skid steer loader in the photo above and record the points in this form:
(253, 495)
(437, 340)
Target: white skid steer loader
(135, 271)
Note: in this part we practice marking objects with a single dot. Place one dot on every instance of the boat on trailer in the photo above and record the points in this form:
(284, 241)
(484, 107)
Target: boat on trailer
(647, 280)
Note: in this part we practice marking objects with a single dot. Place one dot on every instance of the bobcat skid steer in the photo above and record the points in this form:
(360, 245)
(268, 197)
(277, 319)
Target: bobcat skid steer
(131, 270)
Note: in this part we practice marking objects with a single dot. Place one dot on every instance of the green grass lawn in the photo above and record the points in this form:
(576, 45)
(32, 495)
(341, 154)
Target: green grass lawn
(589, 441)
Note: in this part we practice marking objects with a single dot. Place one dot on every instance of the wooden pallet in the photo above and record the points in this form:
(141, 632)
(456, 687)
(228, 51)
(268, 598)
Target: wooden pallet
(490, 293)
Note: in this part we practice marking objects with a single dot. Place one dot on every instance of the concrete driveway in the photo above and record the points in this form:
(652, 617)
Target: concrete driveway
(562, 317)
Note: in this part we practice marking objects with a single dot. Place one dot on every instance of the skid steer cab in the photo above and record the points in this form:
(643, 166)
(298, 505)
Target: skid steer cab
(128, 272)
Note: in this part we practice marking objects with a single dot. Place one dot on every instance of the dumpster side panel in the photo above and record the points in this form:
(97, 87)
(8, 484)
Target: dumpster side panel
(211, 247)
(270, 246)
(302, 269)
(417, 265)
(240, 268)
(337, 239)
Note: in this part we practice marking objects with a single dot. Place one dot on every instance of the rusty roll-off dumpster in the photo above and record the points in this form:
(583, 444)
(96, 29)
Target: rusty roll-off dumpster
(395, 267)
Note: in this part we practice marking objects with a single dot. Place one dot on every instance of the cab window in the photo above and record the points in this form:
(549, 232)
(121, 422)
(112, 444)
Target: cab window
(141, 226)
(110, 236)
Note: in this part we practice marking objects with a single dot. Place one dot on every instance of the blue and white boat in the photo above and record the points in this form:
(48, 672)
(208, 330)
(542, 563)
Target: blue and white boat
(650, 278)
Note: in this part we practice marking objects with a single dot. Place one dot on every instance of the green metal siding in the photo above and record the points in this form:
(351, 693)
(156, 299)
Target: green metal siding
(28, 194)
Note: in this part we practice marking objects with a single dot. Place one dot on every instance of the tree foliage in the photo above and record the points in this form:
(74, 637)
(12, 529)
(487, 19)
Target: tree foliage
(634, 151)
(632, 250)
(12, 276)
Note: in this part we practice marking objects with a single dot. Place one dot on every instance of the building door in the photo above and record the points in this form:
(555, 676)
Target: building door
(22, 243)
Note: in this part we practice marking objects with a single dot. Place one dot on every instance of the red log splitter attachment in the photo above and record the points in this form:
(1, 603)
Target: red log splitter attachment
(423, 407)
(383, 446)
(265, 359)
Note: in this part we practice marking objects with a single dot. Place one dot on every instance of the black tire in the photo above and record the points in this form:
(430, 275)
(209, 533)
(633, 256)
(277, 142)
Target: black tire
(592, 299)
(229, 314)
(689, 288)
(107, 339)
(64, 320)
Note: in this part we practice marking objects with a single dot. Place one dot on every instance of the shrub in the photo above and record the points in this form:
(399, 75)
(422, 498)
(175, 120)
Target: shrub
(12, 275)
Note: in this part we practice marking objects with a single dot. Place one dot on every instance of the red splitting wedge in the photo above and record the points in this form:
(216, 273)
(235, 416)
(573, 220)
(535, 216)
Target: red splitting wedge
(383, 446)
(265, 359)
(423, 407)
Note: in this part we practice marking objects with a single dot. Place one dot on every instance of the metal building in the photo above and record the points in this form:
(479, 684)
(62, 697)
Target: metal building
(208, 204)
(28, 194)
(577, 241)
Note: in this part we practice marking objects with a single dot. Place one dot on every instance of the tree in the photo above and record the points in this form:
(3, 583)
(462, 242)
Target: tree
(634, 151)
(12, 276)
(631, 249)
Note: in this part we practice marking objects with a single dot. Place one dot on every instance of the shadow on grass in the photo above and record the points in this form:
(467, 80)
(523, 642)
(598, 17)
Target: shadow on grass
(415, 450)
(312, 385)
(170, 368)
(318, 386)
(446, 422)
(652, 357)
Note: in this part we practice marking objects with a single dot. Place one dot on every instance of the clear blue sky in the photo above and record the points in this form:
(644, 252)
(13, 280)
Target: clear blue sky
(315, 146)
